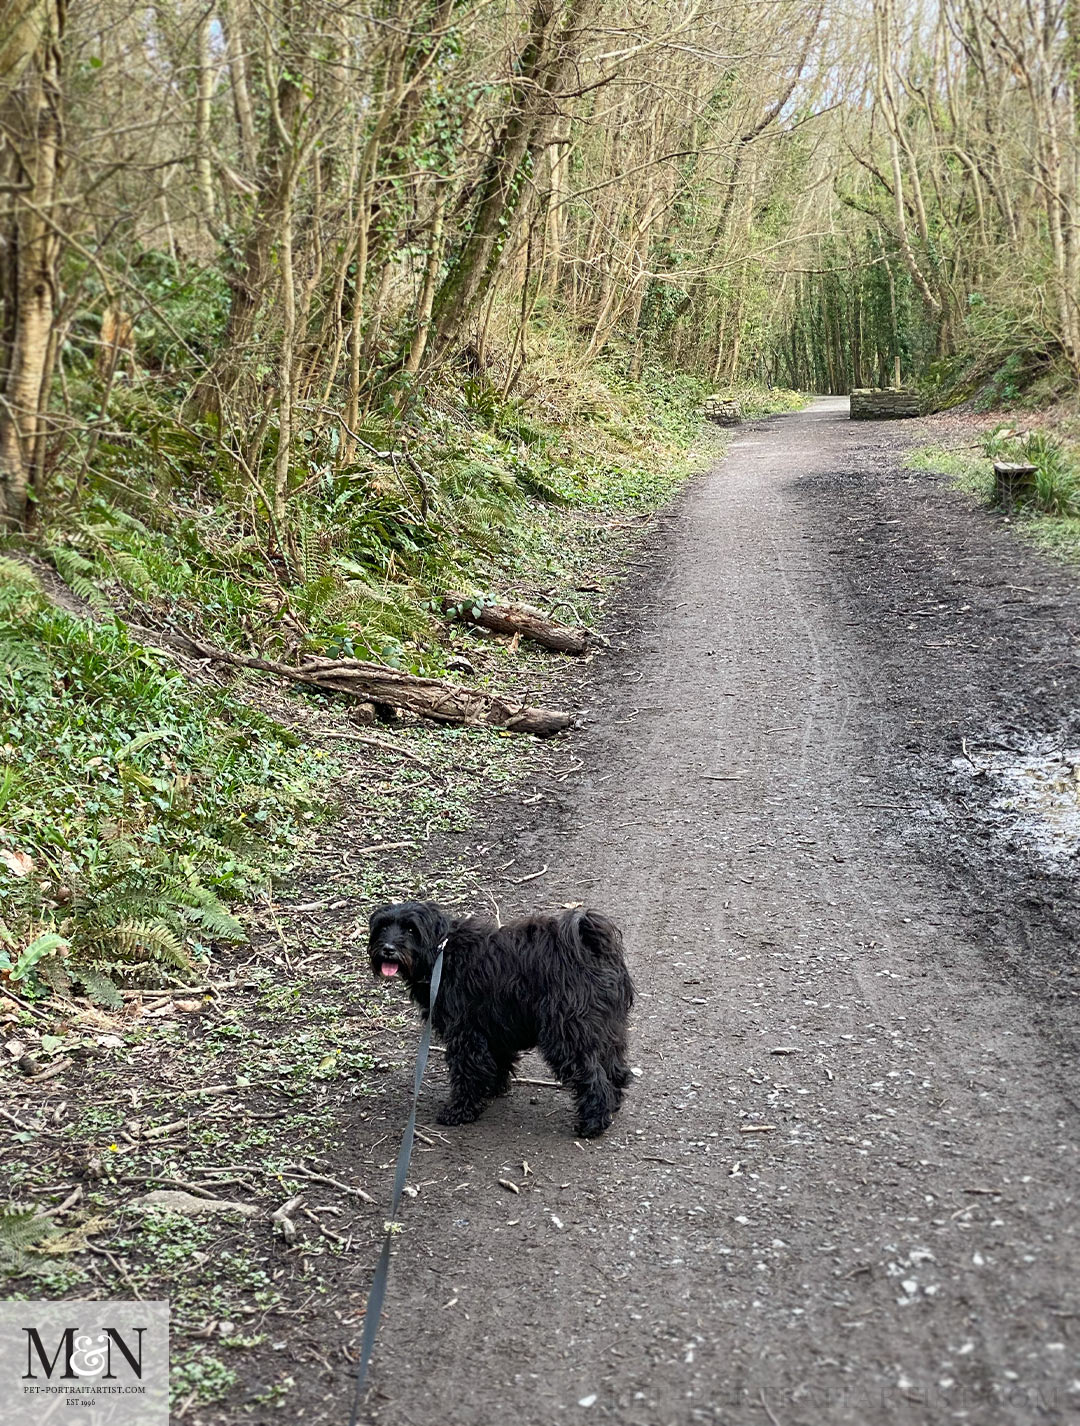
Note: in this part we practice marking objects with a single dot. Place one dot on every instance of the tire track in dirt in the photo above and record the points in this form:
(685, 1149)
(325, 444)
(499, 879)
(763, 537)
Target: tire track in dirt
(900, 1243)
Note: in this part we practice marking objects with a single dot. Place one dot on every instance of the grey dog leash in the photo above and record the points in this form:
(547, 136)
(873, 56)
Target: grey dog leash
(377, 1294)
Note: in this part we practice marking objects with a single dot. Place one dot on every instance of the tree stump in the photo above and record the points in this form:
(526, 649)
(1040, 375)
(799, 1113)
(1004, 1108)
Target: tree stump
(1014, 483)
(887, 405)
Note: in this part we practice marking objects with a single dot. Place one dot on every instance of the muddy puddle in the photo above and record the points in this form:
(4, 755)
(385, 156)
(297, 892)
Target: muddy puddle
(1029, 792)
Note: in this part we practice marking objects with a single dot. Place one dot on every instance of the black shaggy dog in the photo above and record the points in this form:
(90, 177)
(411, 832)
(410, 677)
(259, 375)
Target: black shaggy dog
(557, 983)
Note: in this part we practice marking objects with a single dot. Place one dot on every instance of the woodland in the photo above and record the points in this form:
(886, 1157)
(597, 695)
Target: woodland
(312, 311)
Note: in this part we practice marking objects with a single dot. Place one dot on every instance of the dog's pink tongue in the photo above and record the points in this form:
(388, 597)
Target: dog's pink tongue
(389, 968)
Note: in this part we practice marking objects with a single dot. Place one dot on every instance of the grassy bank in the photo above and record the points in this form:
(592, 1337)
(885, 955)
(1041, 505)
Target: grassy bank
(1050, 517)
(142, 804)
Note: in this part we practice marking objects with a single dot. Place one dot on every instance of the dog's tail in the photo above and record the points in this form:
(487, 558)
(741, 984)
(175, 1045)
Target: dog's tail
(591, 934)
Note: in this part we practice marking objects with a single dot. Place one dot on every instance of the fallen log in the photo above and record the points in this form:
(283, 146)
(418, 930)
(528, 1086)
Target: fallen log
(516, 619)
(425, 697)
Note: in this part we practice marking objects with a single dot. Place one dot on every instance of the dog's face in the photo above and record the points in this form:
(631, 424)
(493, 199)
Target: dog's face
(404, 940)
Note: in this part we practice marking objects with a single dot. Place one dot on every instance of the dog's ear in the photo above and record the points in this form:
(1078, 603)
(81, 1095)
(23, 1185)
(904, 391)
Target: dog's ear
(436, 923)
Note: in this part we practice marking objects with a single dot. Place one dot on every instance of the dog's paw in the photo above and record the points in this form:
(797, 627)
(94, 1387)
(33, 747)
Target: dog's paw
(593, 1128)
(451, 1113)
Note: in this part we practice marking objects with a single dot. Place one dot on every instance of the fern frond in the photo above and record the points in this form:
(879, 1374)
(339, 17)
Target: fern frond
(54, 973)
(77, 573)
(15, 574)
(100, 989)
(21, 1228)
(27, 658)
(131, 571)
(145, 940)
(210, 913)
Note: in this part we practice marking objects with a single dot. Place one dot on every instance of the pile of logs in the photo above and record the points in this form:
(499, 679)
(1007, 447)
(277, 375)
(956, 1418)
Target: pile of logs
(885, 405)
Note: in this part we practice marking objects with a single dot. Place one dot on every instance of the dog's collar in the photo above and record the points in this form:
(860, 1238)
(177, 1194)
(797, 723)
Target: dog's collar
(441, 946)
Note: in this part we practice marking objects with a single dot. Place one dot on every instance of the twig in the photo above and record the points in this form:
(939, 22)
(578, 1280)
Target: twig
(193, 1188)
(23, 1004)
(26, 1128)
(72, 1198)
(281, 1218)
(214, 1089)
(327, 1232)
(520, 880)
(169, 991)
(331, 1182)
(766, 1408)
(386, 747)
(104, 1252)
(50, 1073)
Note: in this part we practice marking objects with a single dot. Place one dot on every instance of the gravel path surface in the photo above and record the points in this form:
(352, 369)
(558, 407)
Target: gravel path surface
(843, 1188)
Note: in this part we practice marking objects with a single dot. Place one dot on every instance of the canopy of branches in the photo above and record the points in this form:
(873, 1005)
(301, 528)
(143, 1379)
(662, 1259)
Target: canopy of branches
(273, 220)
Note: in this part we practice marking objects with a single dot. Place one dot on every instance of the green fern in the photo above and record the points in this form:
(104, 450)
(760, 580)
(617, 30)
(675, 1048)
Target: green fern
(145, 941)
(131, 571)
(316, 595)
(77, 573)
(15, 574)
(209, 911)
(99, 987)
(31, 663)
(20, 1229)
(312, 555)
(54, 973)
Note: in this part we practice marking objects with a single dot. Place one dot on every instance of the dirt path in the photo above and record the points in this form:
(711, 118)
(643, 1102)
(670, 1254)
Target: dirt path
(843, 1189)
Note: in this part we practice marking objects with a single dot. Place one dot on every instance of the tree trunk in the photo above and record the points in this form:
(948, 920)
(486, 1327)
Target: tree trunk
(31, 163)
(544, 67)
(273, 183)
(204, 94)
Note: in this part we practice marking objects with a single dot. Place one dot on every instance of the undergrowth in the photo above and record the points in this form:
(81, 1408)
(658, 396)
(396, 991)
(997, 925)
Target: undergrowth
(135, 806)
